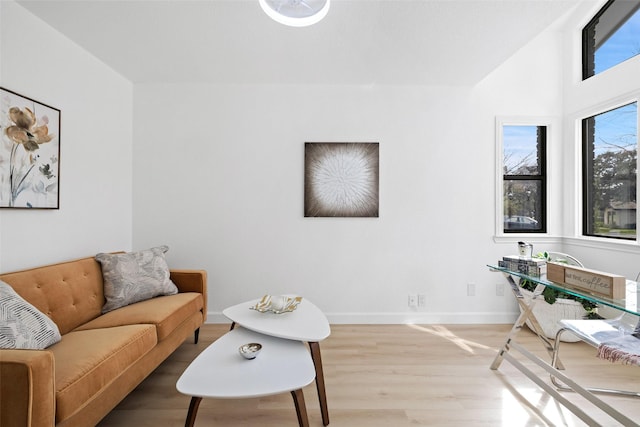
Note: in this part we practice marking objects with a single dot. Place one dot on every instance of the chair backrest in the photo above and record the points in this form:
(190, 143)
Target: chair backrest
(628, 323)
(564, 258)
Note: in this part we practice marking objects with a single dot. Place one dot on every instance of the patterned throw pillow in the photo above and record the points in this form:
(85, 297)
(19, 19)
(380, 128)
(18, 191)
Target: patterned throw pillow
(22, 325)
(134, 277)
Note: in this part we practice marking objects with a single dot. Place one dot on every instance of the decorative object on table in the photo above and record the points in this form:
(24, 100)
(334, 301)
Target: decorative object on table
(250, 351)
(276, 304)
(551, 296)
(29, 153)
(533, 267)
(296, 13)
(341, 179)
(592, 281)
(559, 305)
(525, 250)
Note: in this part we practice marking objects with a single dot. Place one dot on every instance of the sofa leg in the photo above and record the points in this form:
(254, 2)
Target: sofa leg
(196, 335)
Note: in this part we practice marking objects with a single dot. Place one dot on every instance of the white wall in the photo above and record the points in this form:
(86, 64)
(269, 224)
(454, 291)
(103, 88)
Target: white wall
(217, 173)
(96, 135)
(610, 89)
(218, 176)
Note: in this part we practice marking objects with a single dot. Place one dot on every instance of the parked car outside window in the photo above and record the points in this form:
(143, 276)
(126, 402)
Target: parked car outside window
(519, 222)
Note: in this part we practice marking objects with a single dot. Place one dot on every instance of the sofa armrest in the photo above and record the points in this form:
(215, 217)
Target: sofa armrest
(191, 281)
(27, 388)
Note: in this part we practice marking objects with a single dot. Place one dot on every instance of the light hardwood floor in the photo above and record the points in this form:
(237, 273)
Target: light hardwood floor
(394, 376)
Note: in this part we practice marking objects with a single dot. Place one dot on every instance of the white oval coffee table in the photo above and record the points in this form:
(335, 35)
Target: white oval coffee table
(221, 372)
(306, 323)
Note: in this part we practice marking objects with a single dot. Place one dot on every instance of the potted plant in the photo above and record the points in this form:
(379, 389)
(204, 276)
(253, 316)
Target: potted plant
(559, 305)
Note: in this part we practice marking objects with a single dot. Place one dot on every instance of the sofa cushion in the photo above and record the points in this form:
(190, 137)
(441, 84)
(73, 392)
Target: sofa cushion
(166, 313)
(87, 361)
(70, 292)
(22, 325)
(135, 276)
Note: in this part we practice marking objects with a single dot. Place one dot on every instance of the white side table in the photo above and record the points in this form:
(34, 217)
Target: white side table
(306, 323)
(221, 372)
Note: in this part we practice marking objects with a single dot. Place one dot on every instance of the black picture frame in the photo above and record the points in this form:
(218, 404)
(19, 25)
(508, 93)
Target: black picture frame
(29, 153)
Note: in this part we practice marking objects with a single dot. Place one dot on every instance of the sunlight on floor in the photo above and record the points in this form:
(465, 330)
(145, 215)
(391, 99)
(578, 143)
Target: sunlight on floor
(531, 407)
(522, 406)
(442, 332)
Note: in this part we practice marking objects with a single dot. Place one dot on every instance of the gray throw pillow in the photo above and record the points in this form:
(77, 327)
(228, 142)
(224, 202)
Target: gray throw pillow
(22, 325)
(134, 277)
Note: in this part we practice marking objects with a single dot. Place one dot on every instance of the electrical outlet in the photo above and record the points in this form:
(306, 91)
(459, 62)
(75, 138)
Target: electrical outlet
(499, 289)
(422, 300)
(471, 289)
(413, 300)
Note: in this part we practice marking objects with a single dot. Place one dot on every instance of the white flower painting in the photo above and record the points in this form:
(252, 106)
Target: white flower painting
(341, 179)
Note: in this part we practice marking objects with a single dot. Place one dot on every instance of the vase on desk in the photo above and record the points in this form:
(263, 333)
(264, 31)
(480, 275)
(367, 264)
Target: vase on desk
(548, 315)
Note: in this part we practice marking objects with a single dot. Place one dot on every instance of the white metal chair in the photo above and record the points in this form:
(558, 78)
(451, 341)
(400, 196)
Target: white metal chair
(564, 258)
(623, 329)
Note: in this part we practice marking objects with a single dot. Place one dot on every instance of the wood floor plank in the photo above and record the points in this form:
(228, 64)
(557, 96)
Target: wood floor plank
(394, 376)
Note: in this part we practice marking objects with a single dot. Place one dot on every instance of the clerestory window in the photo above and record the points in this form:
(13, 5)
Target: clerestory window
(611, 37)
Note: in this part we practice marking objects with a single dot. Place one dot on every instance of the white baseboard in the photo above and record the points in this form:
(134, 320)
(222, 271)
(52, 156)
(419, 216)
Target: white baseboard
(403, 318)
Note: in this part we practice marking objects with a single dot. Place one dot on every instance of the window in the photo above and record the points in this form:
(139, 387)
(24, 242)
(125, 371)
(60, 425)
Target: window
(612, 36)
(524, 178)
(610, 157)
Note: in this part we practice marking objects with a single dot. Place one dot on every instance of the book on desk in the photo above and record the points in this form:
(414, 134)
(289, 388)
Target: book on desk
(534, 267)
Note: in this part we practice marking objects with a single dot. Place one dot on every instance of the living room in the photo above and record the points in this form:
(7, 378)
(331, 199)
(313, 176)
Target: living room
(213, 165)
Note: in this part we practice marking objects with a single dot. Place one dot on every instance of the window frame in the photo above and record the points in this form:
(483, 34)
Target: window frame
(548, 124)
(583, 179)
(588, 34)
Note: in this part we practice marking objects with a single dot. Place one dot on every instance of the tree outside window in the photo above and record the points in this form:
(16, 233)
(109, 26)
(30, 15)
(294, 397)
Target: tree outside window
(524, 178)
(611, 37)
(610, 167)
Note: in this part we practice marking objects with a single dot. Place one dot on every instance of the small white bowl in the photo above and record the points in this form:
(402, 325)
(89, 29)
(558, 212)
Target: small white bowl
(250, 350)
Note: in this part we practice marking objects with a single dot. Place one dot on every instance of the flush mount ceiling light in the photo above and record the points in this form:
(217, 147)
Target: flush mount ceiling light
(296, 13)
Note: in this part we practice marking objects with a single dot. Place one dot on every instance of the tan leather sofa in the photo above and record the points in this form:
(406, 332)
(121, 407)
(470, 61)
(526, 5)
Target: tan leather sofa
(101, 357)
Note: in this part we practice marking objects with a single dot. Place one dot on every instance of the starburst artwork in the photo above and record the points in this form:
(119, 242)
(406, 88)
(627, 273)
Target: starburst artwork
(29, 152)
(341, 179)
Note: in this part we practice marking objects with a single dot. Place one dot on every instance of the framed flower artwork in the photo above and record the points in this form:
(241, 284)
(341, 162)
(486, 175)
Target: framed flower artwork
(29, 153)
(341, 179)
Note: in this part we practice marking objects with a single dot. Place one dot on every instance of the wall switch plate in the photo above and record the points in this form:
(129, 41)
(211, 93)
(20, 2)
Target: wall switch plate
(471, 289)
(413, 300)
(422, 300)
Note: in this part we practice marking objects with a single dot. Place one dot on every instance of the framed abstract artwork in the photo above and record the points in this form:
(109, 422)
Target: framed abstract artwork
(341, 179)
(29, 153)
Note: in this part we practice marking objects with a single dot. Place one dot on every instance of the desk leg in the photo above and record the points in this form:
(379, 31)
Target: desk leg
(193, 411)
(526, 314)
(301, 408)
(322, 395)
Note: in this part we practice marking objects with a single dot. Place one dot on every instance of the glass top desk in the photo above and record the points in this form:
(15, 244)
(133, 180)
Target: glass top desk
(629, 304)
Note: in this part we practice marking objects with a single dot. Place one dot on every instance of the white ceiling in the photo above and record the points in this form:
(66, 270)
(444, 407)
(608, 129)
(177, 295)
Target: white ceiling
(421, 42)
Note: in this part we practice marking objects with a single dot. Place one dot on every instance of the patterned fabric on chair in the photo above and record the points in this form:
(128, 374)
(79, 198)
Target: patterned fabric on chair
(624, 349)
